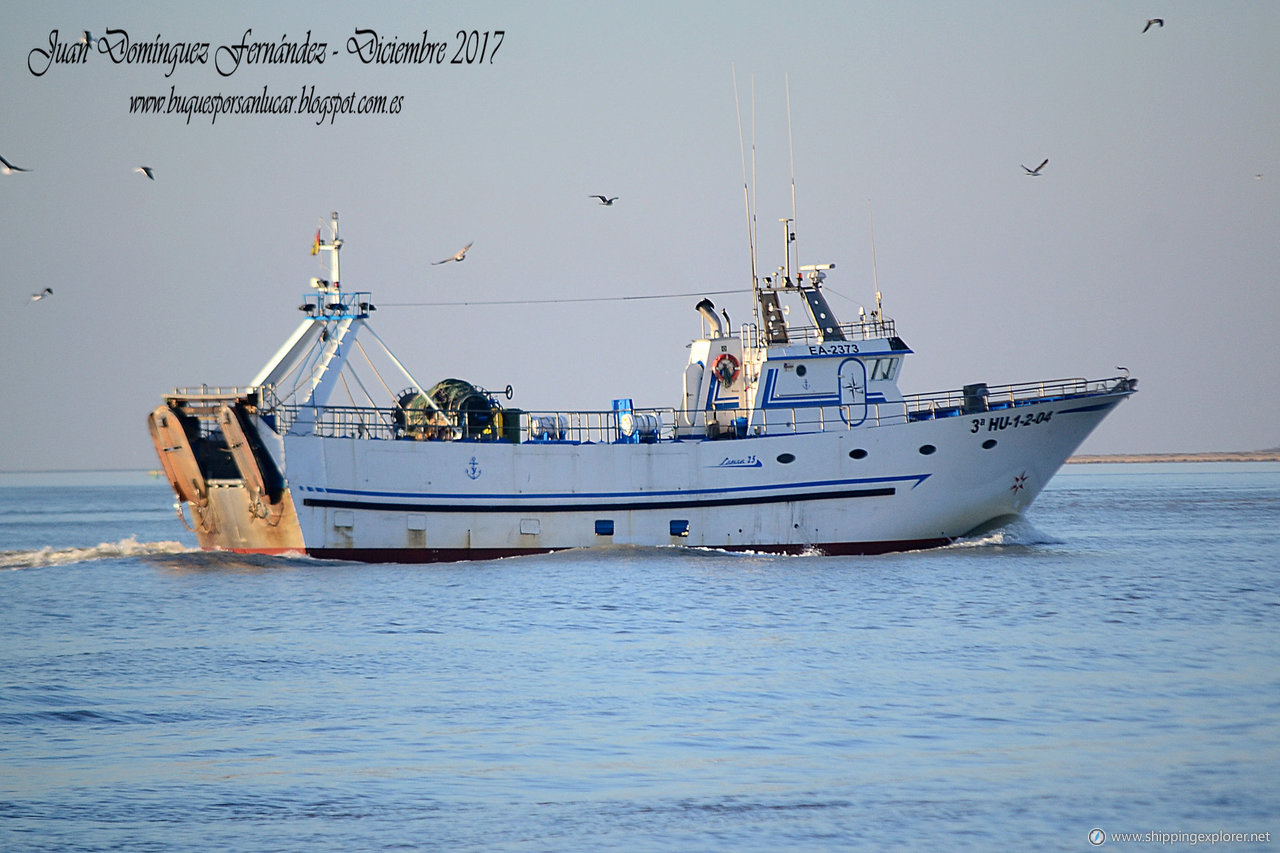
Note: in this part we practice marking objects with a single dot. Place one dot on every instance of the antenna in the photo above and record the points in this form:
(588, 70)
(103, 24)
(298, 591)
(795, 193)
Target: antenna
(333, 258)
(875, 274)
(791, 155)
(746, 195)
(788, 236)
(755, 197)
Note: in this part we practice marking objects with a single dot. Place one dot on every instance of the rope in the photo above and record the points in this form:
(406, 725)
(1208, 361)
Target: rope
(556, 301)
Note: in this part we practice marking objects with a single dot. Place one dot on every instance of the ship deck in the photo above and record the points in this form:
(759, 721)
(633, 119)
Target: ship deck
(605, 426)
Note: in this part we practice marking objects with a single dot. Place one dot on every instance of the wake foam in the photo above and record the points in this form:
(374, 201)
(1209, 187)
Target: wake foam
(49, 556)
(1019, 532)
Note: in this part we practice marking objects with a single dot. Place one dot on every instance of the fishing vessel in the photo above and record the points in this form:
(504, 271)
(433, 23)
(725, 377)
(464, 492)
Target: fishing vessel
(791, 435)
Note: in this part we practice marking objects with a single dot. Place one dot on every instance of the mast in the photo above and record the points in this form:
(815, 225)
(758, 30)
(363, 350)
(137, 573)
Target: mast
(332, 247)
(322, 380)
(304, 338)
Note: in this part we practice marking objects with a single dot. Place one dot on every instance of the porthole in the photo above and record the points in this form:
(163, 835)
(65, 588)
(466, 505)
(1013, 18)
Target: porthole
(988, 444)
(786, 458)
(858, 453)
(801, 370)
(927, 449)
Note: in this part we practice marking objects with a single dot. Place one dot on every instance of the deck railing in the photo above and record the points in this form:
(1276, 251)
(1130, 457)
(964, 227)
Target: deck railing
(665, 424)
(944, 403)
(866, 330)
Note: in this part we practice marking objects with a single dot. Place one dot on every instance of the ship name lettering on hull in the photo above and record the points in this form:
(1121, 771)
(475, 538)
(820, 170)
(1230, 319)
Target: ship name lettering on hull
(995, 423)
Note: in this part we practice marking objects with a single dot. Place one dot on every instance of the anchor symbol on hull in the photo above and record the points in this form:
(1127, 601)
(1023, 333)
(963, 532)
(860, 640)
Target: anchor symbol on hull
(473, 469)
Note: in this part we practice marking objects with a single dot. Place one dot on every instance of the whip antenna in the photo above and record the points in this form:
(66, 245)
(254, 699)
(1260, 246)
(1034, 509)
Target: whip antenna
(791, 154)
(875, 274)
(755, 196)
(746, 194)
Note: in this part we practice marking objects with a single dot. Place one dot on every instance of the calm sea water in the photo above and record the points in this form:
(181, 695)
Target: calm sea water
(1113, 663)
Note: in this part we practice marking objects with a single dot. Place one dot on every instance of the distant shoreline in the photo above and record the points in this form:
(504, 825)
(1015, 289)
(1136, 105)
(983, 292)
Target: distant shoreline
(1228, 456)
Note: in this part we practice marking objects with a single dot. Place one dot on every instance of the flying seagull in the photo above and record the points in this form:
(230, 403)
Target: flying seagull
(460, 256)
(1159, 22)
(1035, 173)
(9, 168)
(607, 202)
(87, 38)
(146, 170)
(36, 297)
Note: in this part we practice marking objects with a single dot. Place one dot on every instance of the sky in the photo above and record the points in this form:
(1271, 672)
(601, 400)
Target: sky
(1151, 240)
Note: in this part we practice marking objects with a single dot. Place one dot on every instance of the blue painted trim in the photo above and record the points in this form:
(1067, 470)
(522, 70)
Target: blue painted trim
(914, 479)
(606, 506)
(768, 398)
(1099, 407)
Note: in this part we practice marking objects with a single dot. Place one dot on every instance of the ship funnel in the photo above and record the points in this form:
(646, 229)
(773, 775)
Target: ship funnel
(708, 311)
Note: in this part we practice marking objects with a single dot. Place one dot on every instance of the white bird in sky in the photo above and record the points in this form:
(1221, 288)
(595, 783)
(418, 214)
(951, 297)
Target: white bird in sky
(460, 256)
(87, 38)
(607, 202)
(9, 168)
(36, 297)
(146, 170)
(1159, 22)
(1035, 173)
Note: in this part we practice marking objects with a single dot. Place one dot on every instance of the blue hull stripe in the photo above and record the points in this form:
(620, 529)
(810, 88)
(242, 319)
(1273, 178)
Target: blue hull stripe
(604, 506)
(1100, 407)
(696, 495)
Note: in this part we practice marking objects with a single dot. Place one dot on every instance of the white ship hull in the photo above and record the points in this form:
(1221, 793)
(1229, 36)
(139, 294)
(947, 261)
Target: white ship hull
(790, 440)
(408, 501)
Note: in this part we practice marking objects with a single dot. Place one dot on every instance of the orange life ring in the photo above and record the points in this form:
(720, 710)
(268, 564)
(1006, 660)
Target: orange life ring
(725, 368)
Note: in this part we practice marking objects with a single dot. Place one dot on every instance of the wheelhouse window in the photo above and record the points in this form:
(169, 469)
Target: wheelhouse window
(884, 369)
